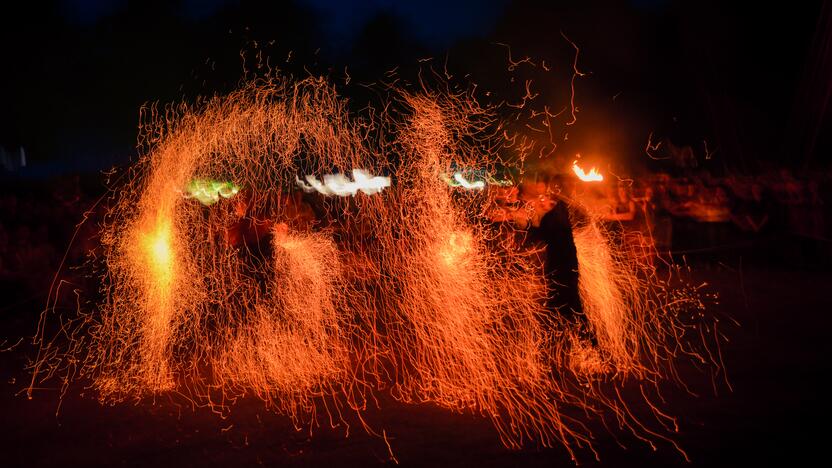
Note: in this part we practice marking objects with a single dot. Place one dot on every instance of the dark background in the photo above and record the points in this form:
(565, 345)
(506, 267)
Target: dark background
(754, 82)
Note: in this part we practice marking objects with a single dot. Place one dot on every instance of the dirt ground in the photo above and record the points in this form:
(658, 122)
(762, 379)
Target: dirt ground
(774, 415)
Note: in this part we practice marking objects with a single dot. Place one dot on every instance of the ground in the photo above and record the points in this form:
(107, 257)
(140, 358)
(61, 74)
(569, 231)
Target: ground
(776, 360)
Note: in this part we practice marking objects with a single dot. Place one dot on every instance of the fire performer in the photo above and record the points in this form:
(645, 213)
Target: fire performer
(548, 222)
(561, 260)
(249, 232)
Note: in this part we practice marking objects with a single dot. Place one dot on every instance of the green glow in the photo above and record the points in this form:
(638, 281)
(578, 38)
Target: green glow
(208, 191)
(472, 180)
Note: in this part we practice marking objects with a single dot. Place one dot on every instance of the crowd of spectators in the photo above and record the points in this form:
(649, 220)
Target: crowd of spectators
(774, 216)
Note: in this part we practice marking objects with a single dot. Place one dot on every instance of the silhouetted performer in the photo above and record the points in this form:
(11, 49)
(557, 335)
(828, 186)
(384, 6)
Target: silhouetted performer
(561, 262)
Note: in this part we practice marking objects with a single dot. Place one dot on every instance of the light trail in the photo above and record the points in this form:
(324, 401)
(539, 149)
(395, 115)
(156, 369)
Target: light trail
(416, 293)
(342, 186)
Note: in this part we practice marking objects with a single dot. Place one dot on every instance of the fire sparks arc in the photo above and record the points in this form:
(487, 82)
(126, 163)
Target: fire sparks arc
(418, 294)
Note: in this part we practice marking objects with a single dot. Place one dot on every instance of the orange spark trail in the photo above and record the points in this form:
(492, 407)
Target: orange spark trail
(403, 285)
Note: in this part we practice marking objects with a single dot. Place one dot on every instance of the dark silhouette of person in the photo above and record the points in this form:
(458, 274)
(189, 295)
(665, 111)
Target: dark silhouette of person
(561, 261)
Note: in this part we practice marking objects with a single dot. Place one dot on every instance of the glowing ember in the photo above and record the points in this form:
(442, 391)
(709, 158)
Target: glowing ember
(592, 176)
(341, 185)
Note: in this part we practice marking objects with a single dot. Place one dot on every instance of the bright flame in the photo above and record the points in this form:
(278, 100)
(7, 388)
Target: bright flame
(457, 246)
(341, 185)
(157, 246)
(155, 265)
(592, 176)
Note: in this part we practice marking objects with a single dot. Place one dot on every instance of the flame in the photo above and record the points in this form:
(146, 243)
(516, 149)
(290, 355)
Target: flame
(155, 266)
(592, 176)
(157, 245)
(457, 246)
(341, 185)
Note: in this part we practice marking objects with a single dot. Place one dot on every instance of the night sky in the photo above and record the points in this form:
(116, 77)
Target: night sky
(752, 82)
